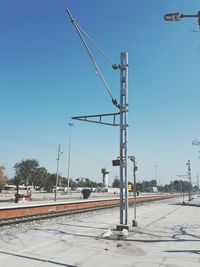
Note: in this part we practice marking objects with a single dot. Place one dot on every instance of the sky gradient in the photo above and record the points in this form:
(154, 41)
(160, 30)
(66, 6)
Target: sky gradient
(46, 77)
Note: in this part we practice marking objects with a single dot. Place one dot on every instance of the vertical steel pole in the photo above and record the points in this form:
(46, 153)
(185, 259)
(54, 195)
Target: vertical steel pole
(135, 185)
(123, 138)
(57, 173)
(190, 183)
(69, 156)
(156, 175)
(182, 187)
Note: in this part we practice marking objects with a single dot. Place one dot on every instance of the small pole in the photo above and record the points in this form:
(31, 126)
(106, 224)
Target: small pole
(156, 175)
(59, 153)
(132, 158)
(183, 192)
(172, 189)
(135, 187)
(69, 156)
(190, 184)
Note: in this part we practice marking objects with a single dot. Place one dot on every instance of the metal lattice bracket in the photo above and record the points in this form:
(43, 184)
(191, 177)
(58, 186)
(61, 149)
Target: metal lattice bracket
(98, 118)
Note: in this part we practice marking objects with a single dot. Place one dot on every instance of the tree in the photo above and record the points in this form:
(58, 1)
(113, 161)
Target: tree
(41, 177)
(26, 171)
(72, 184)
(147, 186)
(3, 178)
(51, 182)
(63, 181)
(140, 187)
(116, 182)
(153, 183)
(87, 183)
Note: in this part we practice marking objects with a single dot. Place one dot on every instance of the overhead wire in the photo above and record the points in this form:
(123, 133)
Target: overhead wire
(98, 71)
(97, 47)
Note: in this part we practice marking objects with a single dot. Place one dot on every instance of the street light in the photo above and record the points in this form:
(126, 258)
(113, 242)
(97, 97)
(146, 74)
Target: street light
(132, 158)
(59, 153)
(178, 16)
(69, 155)
(172, 17)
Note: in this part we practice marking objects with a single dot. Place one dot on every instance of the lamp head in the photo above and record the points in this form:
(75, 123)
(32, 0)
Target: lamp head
(172, 16)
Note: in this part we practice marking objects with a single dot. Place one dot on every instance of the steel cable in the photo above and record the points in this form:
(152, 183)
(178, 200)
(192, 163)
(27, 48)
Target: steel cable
(98, 71)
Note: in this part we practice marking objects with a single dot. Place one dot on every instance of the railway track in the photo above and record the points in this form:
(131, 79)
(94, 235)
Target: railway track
(22, 214)
(29, 218)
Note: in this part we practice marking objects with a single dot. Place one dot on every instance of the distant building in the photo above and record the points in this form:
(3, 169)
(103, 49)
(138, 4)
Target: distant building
(155, 189)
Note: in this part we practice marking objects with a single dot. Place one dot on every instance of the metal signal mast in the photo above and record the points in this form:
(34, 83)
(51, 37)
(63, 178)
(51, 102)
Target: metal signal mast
(123, 140)
(190, 180)
(122, 116)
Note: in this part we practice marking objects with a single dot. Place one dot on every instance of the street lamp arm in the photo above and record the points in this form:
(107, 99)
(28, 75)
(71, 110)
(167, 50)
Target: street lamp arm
(178, 16)
(189, 16)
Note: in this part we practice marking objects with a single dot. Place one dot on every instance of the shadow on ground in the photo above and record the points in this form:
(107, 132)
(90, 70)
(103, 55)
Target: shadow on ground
(36, 259)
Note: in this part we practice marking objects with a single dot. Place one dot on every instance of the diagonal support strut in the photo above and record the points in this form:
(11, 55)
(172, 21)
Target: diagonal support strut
(99, 118)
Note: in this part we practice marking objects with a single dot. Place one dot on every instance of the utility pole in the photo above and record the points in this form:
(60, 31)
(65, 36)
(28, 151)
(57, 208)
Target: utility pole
(171, 185)
(58, 158)
(156, 175)
(69, 156)
(182, 187)
(197, 181)
(189, 176)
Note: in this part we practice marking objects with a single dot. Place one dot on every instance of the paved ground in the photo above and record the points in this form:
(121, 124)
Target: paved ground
(168, 234)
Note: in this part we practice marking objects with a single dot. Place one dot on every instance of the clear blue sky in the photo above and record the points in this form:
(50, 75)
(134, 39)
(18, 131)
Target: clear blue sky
(46, 77)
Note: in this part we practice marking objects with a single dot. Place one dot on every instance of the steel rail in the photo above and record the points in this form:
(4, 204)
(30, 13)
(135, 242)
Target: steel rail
(82, 207)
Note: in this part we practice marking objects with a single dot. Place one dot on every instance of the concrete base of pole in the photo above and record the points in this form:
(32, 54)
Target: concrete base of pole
(134, 223)
(120, 227)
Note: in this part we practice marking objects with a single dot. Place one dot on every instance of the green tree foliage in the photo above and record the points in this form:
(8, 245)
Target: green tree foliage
(146, 186)
(179, 186)
(3, 177)
(51, 181)
(63, 181)
(154, 183)
(87, 183)
(26, 171)
(29, 173)
(116, 183)
(72, 184)
(176, 186)
(41, 178)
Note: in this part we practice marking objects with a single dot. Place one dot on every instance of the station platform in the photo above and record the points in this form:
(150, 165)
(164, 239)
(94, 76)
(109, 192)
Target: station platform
(168, 234)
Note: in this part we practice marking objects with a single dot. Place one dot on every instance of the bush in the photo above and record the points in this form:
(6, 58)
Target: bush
(86, 193)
